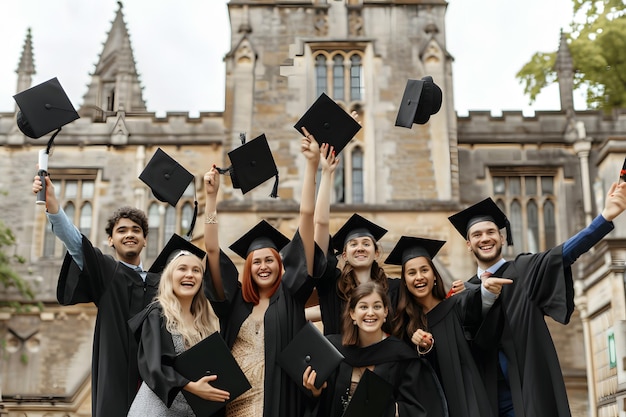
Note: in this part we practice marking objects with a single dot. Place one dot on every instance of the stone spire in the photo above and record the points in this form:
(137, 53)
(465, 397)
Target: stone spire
(115, 82)
(564, 67)
(26, 67)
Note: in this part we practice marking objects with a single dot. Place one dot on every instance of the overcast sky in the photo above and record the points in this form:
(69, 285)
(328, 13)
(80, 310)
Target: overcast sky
(179, 47)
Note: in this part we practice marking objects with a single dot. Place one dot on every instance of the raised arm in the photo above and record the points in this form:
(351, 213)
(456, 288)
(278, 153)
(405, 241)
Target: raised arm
(211, 240)
(329, 163)
(310, 150)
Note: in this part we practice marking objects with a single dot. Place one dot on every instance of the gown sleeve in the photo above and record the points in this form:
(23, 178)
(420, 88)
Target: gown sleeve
(420, 393)
(296, 280)
(156, 355)
(230, 282)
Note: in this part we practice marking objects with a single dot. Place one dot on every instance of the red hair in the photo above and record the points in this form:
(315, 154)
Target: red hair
(249, 288)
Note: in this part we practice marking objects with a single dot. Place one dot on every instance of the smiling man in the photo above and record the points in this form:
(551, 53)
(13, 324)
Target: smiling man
(514, 349)
(120, 288)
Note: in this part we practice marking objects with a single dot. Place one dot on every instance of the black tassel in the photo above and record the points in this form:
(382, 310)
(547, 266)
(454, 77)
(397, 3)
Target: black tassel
(275, 188)
(509, 235)
(193, 221)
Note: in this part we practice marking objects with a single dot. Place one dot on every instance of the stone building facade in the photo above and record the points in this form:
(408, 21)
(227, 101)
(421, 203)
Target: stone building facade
(549, 173)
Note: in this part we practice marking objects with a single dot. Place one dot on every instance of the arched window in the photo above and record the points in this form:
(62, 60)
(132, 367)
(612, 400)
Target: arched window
(170, 223)
(533, 226)
(186, 218)
(321, 82)
(338, 78)
(49, 241)
(339, 184)
(356, 78)
(357, 175)
(516, 224)
(549, 224)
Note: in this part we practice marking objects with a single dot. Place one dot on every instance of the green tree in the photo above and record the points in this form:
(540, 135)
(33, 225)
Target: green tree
(597, 42)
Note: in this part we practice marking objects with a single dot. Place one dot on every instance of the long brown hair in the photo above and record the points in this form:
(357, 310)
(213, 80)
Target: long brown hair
(347, 280)
(350, 332)
(409, 315)
(249, 288)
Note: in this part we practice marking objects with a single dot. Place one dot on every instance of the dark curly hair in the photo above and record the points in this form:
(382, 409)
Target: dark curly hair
(131, 213)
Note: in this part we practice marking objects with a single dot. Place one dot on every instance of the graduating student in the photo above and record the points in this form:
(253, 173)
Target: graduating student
(260, 315)
(178, 319)
(366, 346)
(424, 315)
(522, 372)
(120, 288)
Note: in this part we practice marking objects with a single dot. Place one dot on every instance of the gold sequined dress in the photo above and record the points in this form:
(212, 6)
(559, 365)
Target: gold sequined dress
(249, 351)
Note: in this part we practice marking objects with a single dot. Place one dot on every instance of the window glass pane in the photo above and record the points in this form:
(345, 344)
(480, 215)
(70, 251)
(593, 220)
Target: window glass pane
(71, 189)
(69, 211)
(339, 184)
(87, 189)
(531, 185)
(357, 175)
(515, 187)
(547, 187)
(154, 221)
(186, 218)
(338, 78)
(49, 241)
(320, 74)
(533, 227)
(516, 225)
(499, 185)
(85, 219)
(355, 77)
(170, 223)
(549, 224)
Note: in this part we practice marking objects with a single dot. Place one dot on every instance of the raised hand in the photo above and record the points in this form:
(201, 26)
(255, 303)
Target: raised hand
(328, 160)
(212, 181)
(615, 202)
(310, 148)
(52, 204)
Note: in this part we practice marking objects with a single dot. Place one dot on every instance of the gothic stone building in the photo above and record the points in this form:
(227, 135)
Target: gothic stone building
(549, 172)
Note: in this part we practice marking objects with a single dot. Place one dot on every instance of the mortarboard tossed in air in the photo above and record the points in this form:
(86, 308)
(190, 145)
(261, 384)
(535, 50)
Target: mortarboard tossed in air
(44, 108)
(174, 246)
(310, 347)
(356, 226)
(168, 181)
(263, 235)
(251, 165)
(409, 247)
(486, 210)
(328, 123)
(421, 99)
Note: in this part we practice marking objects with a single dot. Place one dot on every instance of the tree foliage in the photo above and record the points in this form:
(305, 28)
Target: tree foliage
(597, 42)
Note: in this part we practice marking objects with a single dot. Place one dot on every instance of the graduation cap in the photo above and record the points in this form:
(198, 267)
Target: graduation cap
(311, 348)
(263, 235)
(409, 247)
(356, 226)
(173, 247)
(251, 165)
(44, 108)
(167, 179)
(421, 99)
(211, 356)
(486, 210)
(328, 123)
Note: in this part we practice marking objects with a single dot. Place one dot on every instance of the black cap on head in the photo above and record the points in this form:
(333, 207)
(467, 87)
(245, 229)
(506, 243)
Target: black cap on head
(175, 245)
(252, 165)
(356, 226)
(328, 123)
(486, 210)
(409, 247)
(263, 235)
(44, 108)
(421, 99)
(167, 179)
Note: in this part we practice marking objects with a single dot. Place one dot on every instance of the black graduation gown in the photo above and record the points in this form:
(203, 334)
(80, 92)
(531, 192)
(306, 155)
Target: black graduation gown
(331, 305)
(416, 388)
(452, 322)
(156, 354)
(283, 319)
(542, 287)
(119, 293)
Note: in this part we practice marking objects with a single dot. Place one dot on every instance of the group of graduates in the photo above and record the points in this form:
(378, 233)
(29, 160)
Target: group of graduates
(480, 349)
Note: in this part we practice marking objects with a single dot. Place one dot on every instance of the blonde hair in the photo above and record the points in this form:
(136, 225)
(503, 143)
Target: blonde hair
(200, 309)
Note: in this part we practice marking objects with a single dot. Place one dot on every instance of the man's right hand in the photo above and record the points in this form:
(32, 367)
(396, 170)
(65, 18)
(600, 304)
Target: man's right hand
(52, 204)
